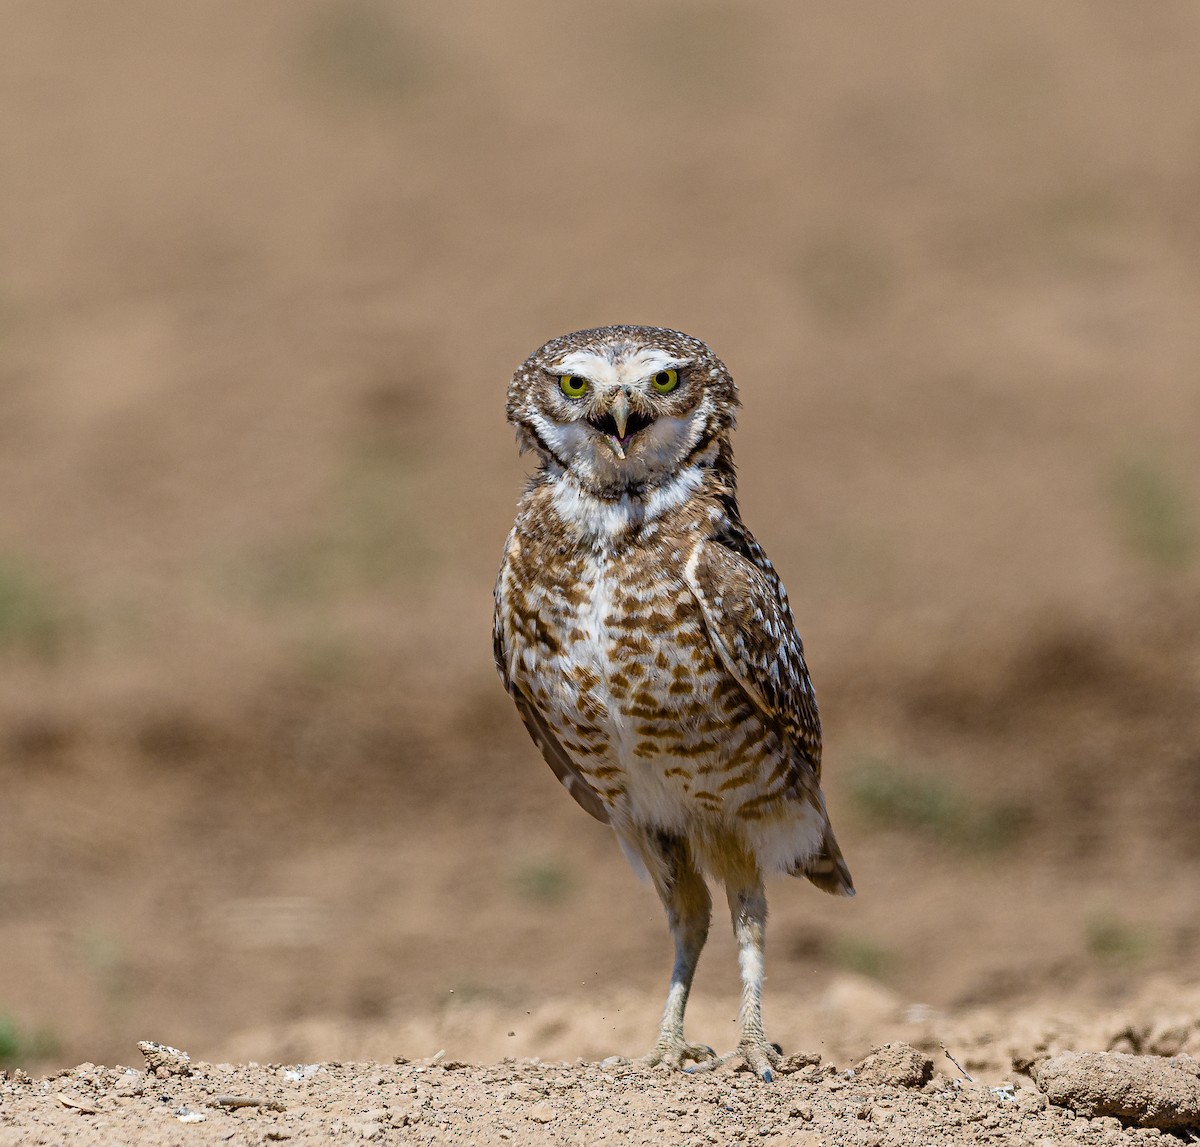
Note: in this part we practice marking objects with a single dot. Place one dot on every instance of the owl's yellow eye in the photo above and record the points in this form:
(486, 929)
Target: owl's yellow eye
(573, 386)
(665, 381)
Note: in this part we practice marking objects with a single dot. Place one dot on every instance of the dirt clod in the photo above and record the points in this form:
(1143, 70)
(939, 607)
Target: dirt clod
(895, 1065)
(798, 1061)
(1140, 1090)
(163, 1060)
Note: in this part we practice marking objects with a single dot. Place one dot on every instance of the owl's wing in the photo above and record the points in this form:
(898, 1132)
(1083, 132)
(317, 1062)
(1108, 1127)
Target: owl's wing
(751, 626)
(556, 756)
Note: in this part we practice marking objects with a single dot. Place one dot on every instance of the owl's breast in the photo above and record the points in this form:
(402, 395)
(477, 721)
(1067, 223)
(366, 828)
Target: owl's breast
(622, 668)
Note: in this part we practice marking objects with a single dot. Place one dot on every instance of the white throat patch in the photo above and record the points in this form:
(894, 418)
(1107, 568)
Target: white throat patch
(600, 521)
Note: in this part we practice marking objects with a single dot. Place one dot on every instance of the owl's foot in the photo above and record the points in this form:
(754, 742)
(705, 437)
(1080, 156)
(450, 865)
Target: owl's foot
(668, 1052)
(675, 1053)
(755, 1052)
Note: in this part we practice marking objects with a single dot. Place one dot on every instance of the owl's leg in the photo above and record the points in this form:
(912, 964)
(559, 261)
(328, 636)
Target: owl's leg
(689, 906)
(748, 908)
(689, 909)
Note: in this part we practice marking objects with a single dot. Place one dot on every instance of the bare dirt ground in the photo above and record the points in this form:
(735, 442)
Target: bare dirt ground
(518, 1101)
(264, 272)
(892, 1096)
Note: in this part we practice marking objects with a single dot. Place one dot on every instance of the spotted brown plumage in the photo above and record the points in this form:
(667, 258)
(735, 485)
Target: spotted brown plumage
(650, 648)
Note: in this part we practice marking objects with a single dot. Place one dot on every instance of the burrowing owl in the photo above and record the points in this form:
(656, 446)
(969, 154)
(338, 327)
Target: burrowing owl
(650, 648)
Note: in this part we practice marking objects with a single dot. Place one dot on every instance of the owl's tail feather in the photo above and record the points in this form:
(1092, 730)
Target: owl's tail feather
(827, 869)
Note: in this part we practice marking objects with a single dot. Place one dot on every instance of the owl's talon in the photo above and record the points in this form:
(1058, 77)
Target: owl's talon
(760, 1057)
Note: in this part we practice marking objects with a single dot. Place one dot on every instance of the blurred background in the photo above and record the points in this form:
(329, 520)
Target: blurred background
(265, 271)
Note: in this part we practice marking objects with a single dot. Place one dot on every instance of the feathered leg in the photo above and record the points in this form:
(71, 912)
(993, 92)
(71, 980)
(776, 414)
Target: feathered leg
(748, 909)
(689, 909)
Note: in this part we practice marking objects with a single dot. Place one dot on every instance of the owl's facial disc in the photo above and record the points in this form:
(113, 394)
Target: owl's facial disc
(621, 416)
(618, 391)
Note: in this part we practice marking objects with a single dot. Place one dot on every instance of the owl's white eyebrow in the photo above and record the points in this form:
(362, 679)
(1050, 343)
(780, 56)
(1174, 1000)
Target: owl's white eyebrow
(653, 361)
(598, 368)
(650, 360)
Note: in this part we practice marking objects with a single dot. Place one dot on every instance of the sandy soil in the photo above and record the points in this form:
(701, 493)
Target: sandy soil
(893, 1096)
(264, 272)
(518, 1101)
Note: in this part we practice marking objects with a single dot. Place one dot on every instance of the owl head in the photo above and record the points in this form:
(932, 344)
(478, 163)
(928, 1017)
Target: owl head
(623, 408)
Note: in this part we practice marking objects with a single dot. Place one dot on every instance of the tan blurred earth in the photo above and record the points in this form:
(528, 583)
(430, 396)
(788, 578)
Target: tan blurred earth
(264, 273)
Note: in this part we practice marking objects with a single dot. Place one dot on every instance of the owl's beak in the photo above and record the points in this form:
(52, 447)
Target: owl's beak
(619, 423)
(619, 410)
